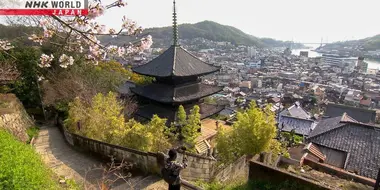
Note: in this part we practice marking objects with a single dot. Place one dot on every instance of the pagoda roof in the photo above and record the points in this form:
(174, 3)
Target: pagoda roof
(147, 111)
(175, 94)
(175, 61)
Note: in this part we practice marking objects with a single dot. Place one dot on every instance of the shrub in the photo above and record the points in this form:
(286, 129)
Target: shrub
(103, 120)
(252, 133)
(32, 132)
(21, 167)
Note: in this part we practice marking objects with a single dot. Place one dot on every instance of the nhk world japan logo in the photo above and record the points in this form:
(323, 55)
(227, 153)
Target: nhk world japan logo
(45, 7)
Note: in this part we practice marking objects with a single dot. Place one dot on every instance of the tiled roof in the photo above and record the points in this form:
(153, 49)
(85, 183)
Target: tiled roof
(175, 61)
(175, 94)
(359, 114)
(301, 126)
(328, 124)
(296, 111)
(360, 141)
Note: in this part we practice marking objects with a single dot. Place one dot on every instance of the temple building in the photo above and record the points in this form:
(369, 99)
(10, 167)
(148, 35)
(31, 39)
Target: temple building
(177, 73)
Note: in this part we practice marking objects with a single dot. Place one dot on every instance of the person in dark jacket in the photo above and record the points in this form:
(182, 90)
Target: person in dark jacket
(172, 169)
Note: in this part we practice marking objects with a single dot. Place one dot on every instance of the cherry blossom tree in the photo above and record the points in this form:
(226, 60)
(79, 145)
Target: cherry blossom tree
(7, 68)
(81, 34)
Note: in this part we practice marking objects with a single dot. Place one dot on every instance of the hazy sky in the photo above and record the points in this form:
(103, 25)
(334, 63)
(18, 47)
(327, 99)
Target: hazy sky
(300, 20)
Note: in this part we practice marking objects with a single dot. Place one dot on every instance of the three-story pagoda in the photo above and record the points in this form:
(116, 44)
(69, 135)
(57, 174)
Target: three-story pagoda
(177, 73)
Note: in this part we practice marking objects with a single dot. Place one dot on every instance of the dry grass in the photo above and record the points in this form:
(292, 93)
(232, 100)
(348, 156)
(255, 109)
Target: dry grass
(327, 180)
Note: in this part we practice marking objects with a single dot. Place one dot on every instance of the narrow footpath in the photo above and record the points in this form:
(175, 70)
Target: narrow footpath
(73, 164)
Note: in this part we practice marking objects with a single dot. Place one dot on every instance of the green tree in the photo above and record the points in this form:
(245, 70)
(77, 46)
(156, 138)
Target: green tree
(190, 131)
(103, 120)
(136, 136)
(252, 133)
(181, 118)
(160, 133)
(85, 81)
(25, 87)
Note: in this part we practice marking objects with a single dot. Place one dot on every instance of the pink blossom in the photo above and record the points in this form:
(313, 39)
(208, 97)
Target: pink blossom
(40, 78)
(130, 26)
(121, 51)
(45, 60)
(36, 39)
(65, 60)
(48, 33)
(95, 10)
(112, 49)
(5, 45)
(147, 42)
(44, 22)
(112, 31)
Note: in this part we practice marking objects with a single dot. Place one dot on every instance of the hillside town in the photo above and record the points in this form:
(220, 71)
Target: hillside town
(261, 74)
(315, 98)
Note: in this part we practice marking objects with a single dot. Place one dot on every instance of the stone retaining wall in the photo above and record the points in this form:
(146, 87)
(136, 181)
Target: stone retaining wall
(13, 117)
(233, 170)
(199, 167)
(260, 171)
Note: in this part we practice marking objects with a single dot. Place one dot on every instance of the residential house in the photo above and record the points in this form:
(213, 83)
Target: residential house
(365, 103)
(318, 92)
(353, 97)
(348, 144)
(228, 112)
(359, 114)
(296, 111)
(300, 126)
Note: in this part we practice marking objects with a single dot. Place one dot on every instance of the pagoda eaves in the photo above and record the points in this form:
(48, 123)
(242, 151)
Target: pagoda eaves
(176, 62)
(164, 93)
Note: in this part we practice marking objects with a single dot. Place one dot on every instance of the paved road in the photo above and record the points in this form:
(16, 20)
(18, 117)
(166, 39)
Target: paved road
(74, 164)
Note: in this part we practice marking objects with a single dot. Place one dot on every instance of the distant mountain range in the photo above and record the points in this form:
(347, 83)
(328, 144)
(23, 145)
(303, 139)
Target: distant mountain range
(208, 30)
(366, 44)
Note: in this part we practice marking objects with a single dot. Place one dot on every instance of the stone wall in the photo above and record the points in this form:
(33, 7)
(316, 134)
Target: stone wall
(338, 172)
(233, 170)
(13, 116)
(260, 171)
(282, 161)
(199, 167)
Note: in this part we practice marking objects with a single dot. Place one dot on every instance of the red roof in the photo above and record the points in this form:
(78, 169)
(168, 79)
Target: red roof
(366, 102)
(315, 151)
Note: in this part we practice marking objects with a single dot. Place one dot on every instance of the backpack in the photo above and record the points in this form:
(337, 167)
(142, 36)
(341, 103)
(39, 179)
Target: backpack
(168, 175)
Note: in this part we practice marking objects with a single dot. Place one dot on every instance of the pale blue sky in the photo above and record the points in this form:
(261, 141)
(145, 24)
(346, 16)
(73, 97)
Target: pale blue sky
(301, 20)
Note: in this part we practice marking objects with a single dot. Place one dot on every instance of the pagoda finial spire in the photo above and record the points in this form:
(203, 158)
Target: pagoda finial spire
(175, 27)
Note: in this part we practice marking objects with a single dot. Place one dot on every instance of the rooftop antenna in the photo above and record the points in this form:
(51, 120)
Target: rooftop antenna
(175, 27)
